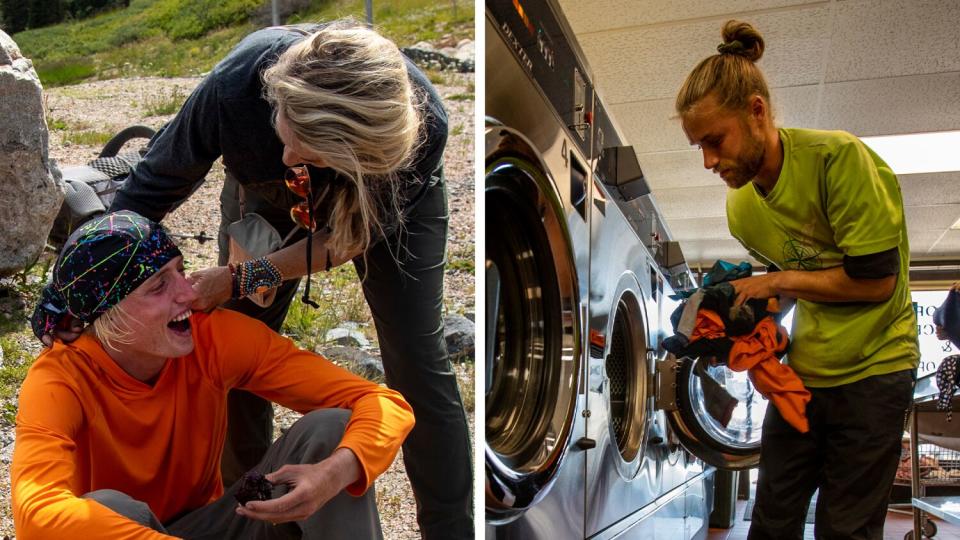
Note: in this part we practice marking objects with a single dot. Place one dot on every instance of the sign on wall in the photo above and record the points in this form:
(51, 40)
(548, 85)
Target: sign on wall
(932, 350)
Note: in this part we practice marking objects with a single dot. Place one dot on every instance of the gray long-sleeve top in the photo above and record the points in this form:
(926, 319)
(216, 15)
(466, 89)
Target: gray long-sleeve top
(227, 115)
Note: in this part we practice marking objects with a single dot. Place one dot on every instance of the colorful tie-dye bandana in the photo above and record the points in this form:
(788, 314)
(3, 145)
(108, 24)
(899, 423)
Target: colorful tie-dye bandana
(101, 263)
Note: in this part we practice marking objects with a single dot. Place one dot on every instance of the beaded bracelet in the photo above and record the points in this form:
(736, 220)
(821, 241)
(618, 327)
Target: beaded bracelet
(255, 276)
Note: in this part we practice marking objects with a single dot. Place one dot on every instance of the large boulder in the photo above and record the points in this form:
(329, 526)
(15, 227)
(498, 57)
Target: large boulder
(30, 184)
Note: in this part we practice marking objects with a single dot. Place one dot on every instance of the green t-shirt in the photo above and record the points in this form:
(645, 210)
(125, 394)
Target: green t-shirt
(834, 197)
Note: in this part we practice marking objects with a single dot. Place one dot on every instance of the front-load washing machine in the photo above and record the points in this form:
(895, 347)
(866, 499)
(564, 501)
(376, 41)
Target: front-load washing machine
(537, 251)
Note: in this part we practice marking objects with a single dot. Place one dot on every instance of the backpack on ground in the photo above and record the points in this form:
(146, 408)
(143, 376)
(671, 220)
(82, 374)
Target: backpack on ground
(90, 188)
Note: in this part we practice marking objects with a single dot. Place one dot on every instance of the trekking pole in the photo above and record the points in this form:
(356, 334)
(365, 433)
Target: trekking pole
(201, 238)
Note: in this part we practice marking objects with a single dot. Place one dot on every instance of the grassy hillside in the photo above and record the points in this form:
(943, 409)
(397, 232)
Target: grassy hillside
(187, 37)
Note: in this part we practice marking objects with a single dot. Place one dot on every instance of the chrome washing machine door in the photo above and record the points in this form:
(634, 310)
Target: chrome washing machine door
(533, 358)
(715, 412)
(628, 372)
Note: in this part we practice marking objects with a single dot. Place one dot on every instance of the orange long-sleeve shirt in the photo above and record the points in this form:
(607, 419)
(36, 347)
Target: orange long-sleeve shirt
(85, 424)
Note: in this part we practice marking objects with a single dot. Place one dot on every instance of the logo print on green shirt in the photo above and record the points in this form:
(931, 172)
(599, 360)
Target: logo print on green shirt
(800, 256)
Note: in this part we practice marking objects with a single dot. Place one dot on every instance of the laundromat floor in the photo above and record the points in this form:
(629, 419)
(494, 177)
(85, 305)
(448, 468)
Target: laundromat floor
(895, 528)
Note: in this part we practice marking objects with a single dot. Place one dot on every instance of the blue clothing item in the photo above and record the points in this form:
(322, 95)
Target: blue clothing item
(947, 316)
(726, 271)
(720, 272)
(227, 115)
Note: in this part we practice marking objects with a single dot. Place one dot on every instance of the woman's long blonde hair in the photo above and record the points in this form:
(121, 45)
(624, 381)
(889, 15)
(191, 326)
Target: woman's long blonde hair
(346, 95)
(731, 75)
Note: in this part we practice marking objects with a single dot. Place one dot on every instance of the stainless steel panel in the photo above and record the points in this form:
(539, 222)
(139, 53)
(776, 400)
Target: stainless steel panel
(698, 504)
(675, 514)
(513, 99)
(616, 486)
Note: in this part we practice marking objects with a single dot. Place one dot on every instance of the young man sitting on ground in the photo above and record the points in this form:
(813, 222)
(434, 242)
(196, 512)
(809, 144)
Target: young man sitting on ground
(119, 433)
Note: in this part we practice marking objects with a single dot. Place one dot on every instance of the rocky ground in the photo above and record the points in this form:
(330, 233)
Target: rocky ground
(108, 106)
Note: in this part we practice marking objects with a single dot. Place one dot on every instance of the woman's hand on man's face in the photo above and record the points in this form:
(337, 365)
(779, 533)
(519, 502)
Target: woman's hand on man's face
(213, 287)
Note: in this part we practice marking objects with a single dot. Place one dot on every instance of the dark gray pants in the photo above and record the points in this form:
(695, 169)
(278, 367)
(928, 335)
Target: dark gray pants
(403, 285)
(310, 440)
(850, 454)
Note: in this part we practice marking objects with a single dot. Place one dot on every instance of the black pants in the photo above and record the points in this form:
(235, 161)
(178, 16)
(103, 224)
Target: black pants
(402, 280)
(850, 454)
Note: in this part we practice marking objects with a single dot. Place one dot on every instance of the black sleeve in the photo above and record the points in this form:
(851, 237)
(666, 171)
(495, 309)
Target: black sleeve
(873, 266)
(178, 159)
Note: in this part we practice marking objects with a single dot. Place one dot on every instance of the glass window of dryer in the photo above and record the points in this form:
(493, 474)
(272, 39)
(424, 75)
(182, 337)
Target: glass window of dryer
(724, 403)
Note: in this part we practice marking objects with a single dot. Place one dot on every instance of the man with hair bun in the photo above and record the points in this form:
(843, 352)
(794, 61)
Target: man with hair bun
(825, 213)
(359, 133)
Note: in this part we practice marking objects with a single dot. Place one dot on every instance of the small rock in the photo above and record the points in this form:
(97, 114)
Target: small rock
(423, 46)
(6, 455)
(459, 335)
(465, 52)
(447, 41)
(349, 337)
(471, 315)
(357, 361)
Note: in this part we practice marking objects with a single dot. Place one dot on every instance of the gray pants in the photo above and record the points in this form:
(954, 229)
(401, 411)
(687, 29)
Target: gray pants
(310, 440)
(403, 285)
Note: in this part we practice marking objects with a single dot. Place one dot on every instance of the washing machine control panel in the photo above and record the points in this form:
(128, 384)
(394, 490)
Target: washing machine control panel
(539, 39)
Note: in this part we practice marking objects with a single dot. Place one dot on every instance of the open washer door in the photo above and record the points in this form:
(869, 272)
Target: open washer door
(715, 412)
(533, 331)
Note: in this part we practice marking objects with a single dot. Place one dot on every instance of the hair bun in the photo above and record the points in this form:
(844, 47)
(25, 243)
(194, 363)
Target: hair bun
(742, 39)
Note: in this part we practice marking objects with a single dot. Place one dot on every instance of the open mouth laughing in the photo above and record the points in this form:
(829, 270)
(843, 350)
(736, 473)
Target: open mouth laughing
(181, 323)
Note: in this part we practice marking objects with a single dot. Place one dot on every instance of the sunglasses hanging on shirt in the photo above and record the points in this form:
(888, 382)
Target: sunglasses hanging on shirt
(298, 181)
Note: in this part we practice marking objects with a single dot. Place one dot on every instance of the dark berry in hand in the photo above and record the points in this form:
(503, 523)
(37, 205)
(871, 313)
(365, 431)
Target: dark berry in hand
(253, 487)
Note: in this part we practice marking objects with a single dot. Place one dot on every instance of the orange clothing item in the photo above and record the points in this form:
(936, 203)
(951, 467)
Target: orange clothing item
(757, 353)
(85, 424)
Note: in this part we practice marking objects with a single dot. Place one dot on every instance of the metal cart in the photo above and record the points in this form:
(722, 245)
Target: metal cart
(934, 455)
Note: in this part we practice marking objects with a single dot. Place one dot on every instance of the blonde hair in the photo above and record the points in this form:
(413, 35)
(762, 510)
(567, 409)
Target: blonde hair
(113, 328)
(346, 95)
(732, 75)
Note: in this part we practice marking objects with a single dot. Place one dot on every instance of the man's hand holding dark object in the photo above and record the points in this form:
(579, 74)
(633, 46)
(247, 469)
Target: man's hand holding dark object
(311, 486)
(253, 487)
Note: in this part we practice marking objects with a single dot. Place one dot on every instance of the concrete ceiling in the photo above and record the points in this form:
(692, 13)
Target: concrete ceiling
(865, 66)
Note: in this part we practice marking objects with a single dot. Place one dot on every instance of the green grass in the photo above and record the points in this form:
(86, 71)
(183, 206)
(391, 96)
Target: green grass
(165, 105)
(88, 138)
(461, 97)
(65, 71)
(56, 124)
(18, 295)
(461, 265)
(340, 296)
(436, 77)
(187, 37)
(404, 21)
